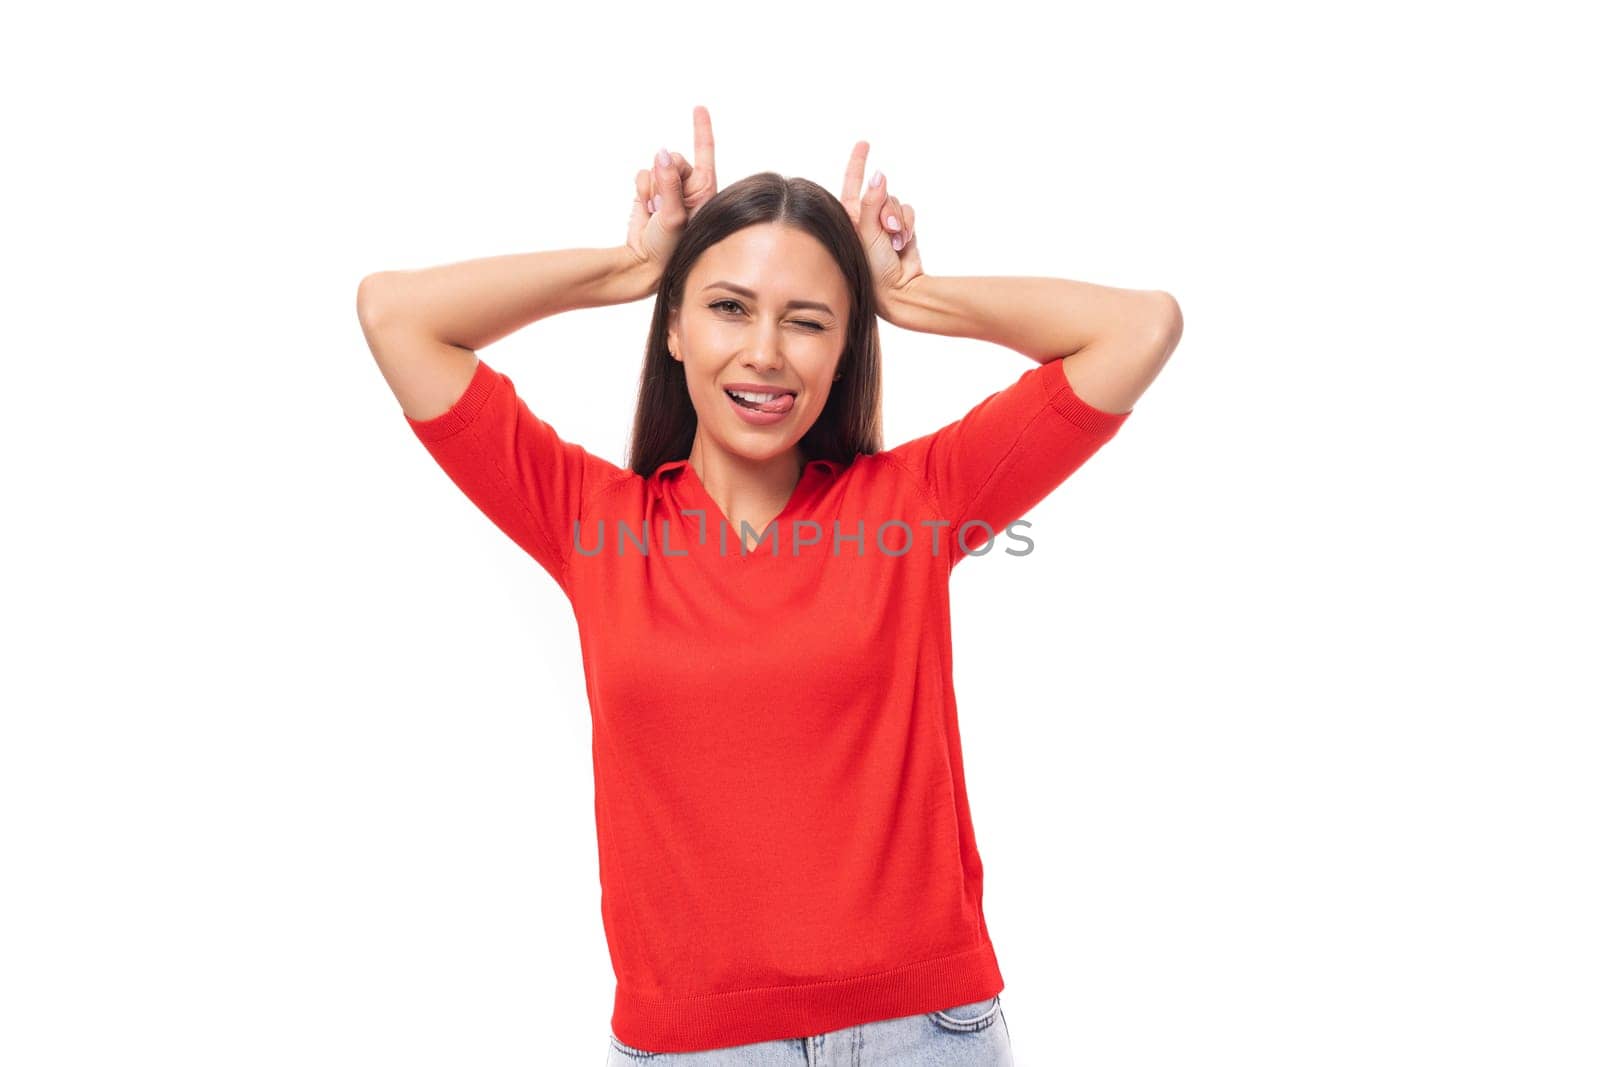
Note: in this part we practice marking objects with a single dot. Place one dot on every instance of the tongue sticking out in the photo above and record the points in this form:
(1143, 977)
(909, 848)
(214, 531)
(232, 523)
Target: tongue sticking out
(775, 407)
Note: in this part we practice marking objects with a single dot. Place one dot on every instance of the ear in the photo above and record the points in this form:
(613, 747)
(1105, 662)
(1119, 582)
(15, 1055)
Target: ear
(672, 335)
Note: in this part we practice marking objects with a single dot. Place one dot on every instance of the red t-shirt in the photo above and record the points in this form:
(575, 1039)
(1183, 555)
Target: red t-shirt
(785, 844)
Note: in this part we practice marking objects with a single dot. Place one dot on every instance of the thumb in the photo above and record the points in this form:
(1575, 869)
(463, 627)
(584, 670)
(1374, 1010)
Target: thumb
(669, 186)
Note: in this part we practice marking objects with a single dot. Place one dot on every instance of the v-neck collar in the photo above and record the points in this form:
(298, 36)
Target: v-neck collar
(696, 491)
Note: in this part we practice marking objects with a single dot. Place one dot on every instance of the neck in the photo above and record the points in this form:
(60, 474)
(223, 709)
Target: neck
(743, 486)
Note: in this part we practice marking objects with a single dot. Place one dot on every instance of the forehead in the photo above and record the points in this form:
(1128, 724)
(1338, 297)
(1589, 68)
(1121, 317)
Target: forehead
(778, 262)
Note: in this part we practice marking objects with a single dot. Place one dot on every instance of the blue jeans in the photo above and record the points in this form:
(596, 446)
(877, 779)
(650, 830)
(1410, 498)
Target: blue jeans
(962, 1036)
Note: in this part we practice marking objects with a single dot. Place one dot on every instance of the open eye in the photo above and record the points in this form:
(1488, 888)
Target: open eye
(817, 326)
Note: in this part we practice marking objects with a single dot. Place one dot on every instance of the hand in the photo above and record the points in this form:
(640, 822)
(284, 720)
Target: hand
(667, 195)
(893, 268)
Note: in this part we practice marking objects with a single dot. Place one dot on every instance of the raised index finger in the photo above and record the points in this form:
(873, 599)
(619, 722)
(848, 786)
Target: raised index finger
(854, 171)
(705, 156)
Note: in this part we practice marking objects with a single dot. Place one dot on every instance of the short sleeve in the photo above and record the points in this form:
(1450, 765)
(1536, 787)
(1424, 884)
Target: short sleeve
(513, 465)
(1008, 453)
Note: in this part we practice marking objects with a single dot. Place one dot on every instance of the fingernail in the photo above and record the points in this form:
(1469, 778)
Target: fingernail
(663, 158)
(894, 224)
(877, 178)
(898, 242)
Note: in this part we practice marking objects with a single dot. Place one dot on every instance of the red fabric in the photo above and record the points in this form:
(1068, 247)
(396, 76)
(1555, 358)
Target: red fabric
(784, 839)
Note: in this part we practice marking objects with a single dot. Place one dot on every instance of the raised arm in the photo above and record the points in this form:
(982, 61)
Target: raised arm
(424, 326)
(1113, 341)
(1097, 349)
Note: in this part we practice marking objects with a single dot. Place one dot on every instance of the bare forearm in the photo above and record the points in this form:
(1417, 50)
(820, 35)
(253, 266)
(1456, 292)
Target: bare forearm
(476, 302)
(1043, 318)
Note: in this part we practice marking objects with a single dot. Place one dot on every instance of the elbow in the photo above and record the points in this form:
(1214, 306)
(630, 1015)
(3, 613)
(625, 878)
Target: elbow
(1168, 315)
(1166, 321)
(372, 296)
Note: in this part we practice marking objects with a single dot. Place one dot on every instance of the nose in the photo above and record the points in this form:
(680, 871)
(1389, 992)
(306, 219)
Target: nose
(765, 354)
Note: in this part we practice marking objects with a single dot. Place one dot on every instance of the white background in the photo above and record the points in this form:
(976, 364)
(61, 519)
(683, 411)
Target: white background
(1280, 746)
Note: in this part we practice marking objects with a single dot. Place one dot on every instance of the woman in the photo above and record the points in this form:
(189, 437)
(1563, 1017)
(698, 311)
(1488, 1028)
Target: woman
(787, 862)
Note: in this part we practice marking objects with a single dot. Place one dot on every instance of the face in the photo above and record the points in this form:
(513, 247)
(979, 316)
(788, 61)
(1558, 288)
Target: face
(784, 334)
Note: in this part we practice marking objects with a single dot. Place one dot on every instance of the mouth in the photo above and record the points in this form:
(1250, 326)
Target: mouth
(765, 407)
(766, 399)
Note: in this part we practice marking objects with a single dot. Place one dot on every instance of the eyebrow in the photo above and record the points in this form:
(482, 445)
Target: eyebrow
(751, 295)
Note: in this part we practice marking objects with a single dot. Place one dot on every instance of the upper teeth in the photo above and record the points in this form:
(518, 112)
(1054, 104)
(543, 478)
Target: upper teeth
(756, 398)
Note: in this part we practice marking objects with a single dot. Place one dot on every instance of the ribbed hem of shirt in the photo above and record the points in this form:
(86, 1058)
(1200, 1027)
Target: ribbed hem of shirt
(463, 411)
(744, 1016)
(1078, 411)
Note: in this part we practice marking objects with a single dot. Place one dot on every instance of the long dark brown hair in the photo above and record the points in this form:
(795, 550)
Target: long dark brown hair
(851, 422)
